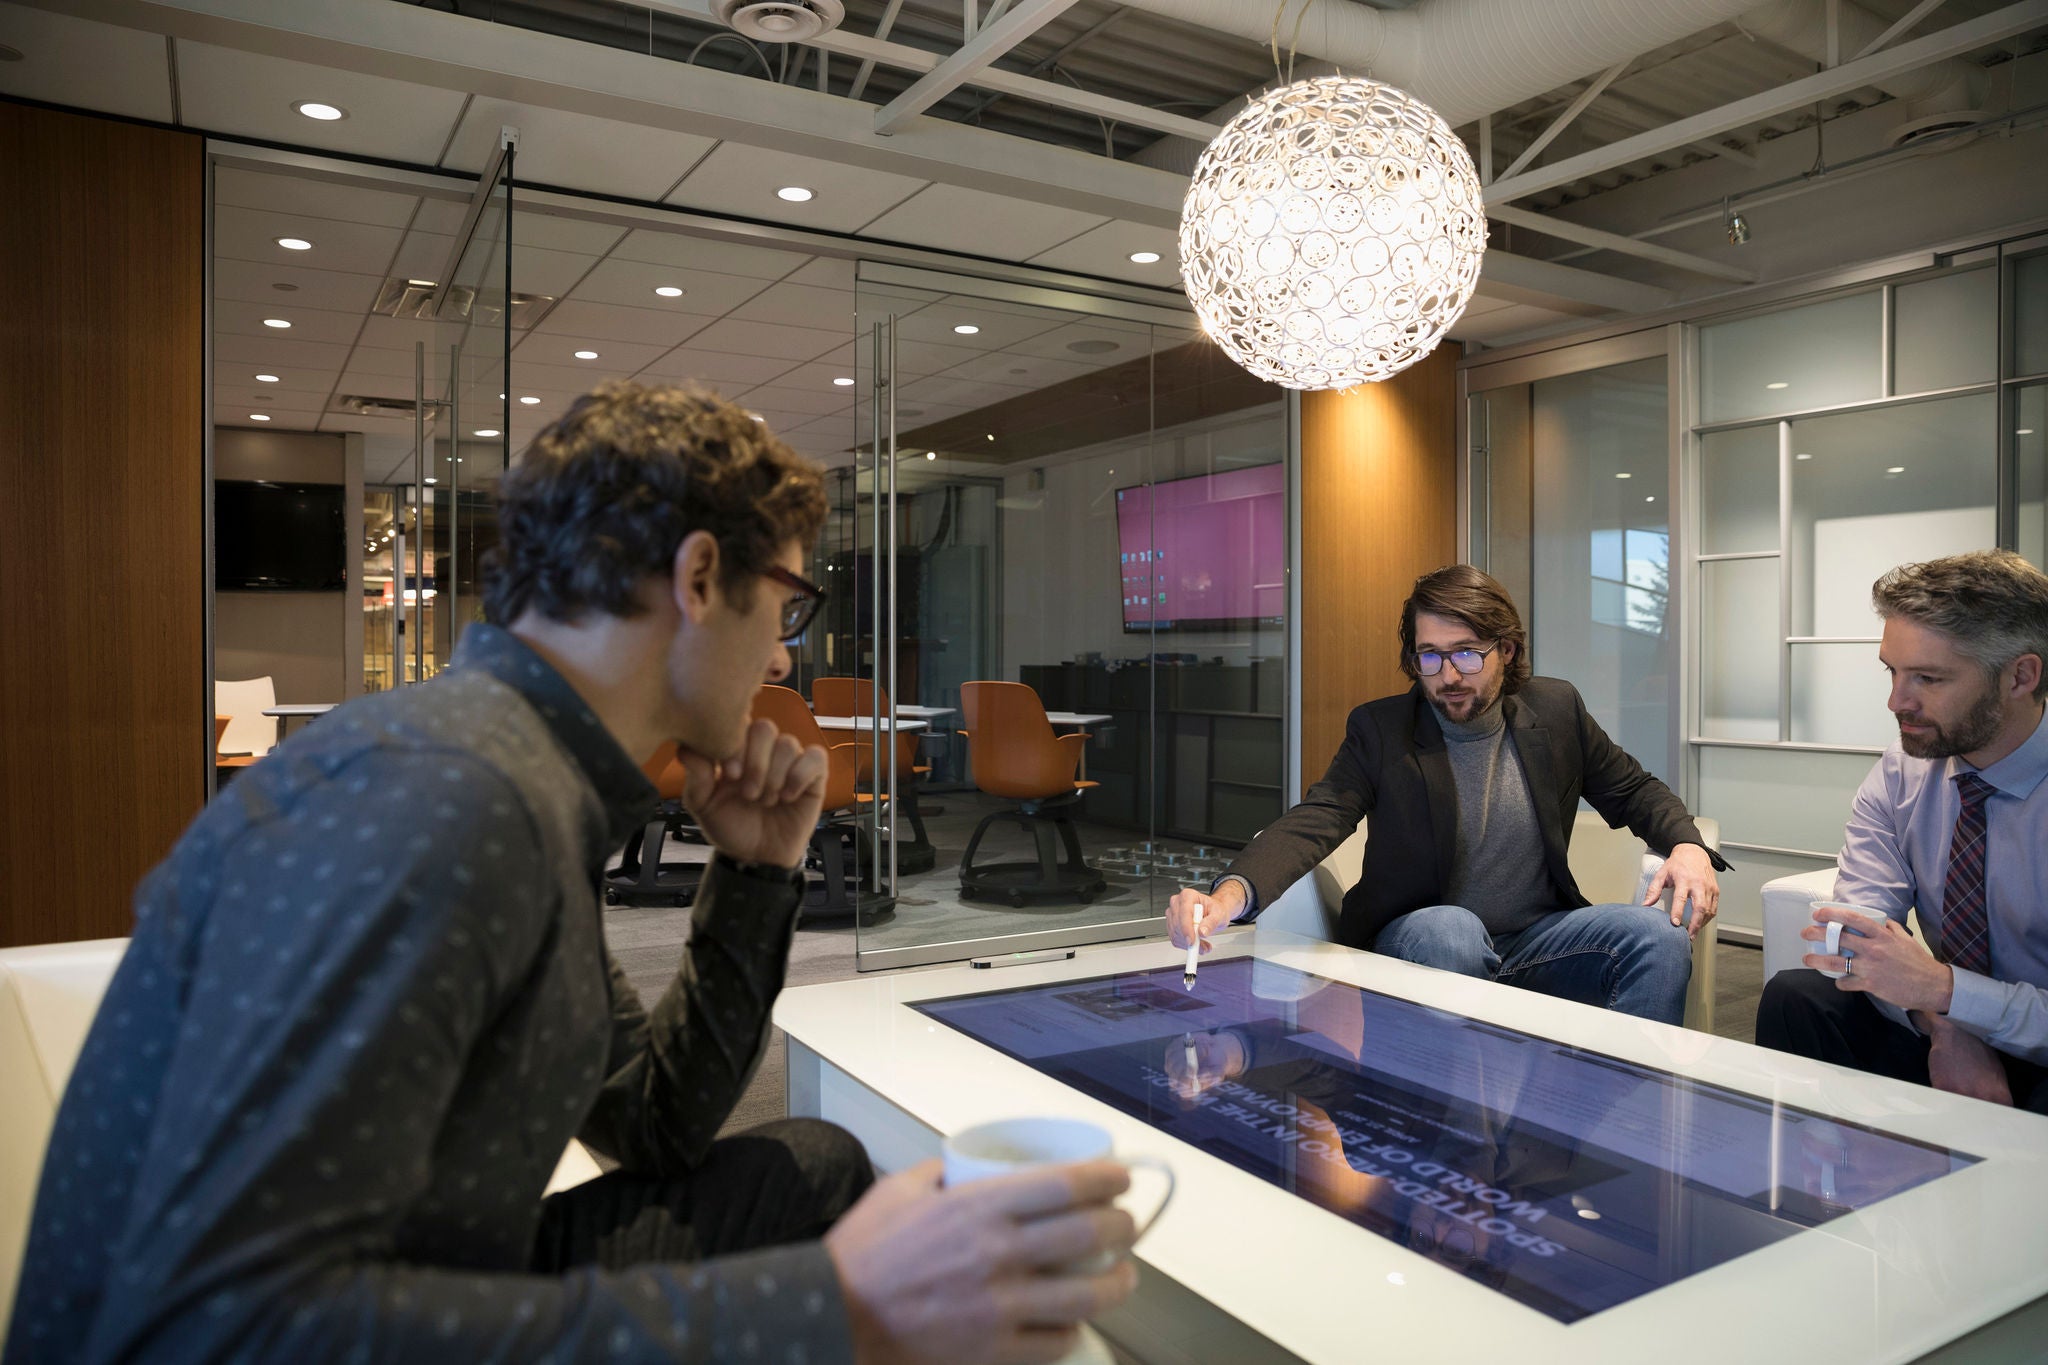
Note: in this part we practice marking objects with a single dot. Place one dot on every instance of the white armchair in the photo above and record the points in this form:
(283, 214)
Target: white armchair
(48, 996)
(1788, 908)
(1610, 865)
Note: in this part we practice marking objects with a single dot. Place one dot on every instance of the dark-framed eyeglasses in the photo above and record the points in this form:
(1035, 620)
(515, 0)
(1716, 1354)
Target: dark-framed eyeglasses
(797, 611)
(1429, 663)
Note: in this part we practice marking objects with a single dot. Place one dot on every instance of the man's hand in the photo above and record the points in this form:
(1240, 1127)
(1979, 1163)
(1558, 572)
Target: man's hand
(1882, 960)
(981, 1274)
(1961, 1063)
(1689, 873)
(1191, 913)
(760, 805)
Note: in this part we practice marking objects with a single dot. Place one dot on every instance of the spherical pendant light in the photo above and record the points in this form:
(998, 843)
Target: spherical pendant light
(1332, 233)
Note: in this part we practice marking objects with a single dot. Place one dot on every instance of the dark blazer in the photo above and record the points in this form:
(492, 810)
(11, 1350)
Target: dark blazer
(1392, 767)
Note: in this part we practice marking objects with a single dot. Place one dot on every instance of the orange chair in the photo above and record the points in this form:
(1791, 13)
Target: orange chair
(856, 697)
(836, 833)
(638, 879)
(1015, 754)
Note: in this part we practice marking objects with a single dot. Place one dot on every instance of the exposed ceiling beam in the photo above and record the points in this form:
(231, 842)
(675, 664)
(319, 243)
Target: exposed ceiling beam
(867, 68)
(974, 55)
(1563, 120)
(1905, 25)
(1653, 117)
(1613, 241)
(1564, 288)
(1950, 42)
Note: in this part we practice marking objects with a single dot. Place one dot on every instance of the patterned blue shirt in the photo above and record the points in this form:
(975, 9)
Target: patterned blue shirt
(1895, 859)
(366, 1005)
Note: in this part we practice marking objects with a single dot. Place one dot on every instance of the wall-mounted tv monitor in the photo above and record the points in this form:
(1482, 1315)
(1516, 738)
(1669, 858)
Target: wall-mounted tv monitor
(279, 537)
(1206, 553)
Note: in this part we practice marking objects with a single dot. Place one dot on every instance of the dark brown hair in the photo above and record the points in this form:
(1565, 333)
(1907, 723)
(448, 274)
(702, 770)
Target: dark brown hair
(604, 495)
(1463, 593)
(1992, 603)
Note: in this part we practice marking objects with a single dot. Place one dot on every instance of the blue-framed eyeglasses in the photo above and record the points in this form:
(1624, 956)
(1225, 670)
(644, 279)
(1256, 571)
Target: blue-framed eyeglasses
(1429, 663)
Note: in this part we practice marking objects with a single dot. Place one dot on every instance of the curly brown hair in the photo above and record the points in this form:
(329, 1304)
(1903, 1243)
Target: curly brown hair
(1465, 594)
(602, 498)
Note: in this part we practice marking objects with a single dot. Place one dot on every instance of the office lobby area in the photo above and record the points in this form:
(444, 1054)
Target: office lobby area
(1418, 624)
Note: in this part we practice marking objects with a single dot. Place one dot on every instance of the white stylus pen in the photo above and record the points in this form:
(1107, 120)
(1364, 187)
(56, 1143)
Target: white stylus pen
(1194, 1063)
(1194, 955)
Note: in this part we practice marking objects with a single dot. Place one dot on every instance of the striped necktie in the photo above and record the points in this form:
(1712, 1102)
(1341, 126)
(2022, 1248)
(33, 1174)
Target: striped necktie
(1965, 923)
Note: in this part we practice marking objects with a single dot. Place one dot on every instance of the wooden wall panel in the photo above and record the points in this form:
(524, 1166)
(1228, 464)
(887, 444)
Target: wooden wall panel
(1378, 509)
(102, 481)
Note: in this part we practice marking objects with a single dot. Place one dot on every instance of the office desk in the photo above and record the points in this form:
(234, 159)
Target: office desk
(297, 710)
(1241, 1270)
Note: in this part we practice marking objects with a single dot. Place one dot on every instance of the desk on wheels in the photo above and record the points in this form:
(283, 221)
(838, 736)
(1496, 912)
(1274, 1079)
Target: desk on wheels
(1420, 1166)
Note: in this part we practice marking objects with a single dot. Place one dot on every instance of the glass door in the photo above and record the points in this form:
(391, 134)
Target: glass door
(1058, 565)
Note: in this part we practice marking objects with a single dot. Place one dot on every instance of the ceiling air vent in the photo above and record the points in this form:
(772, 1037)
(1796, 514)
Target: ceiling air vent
(414, 298)
(780, 21)
(363, 405)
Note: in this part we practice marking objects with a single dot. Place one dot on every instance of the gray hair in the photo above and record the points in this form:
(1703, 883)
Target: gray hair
(1992, 603)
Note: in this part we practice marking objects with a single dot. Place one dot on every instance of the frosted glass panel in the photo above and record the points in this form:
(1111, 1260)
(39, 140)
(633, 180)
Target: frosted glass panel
(2030, 472)
(1839, 694)
(1811, 357)
(1786, 798)
(1945, 331)
(2030, 314)
(1884, 488)
(1739, 648)
(1742, 900)
(1739, 490)
(1600, 602)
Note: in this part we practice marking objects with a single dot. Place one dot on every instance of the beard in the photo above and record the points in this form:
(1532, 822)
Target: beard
(1978, 727)
(1476, 702)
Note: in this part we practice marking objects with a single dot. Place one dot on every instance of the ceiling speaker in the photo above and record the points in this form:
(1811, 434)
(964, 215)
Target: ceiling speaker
(780, 21)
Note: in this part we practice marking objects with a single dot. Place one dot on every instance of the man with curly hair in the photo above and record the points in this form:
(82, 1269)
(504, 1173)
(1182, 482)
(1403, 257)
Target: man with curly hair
(1472, 778)
(368, 1001)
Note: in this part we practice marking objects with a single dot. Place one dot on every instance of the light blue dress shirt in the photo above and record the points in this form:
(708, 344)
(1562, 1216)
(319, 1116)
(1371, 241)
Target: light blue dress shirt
(1896, 859)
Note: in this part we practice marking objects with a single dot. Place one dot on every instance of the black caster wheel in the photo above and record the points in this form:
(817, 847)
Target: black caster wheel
(611, 898)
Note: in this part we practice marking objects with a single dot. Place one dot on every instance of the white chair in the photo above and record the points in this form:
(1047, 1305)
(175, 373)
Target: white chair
(1788, 908)
(1610, 866)
(48, 996)
(243, 703)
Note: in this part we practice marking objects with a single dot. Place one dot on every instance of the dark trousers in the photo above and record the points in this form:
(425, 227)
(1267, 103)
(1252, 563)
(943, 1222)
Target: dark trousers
(1805, 1012)
(778, 1183)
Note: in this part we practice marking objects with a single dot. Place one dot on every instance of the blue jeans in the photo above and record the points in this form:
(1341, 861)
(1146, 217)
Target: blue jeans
(1629, 958)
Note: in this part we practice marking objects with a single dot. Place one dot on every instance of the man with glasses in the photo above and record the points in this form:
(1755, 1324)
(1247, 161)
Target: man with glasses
(368, 1001)
(1472, 778)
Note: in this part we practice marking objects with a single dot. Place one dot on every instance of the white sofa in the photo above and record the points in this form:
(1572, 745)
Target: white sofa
(1610, 865)
(48, 996)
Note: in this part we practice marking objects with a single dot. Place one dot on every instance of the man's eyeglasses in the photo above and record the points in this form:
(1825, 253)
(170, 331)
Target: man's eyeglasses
(1429, 663)
(797, 611)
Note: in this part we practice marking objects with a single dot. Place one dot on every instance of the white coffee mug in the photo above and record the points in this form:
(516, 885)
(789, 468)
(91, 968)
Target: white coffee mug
(1007, 1146)
(1832, 946)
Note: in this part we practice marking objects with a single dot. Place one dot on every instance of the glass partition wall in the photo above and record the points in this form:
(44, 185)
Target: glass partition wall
(1059, 553)
(1692, 518)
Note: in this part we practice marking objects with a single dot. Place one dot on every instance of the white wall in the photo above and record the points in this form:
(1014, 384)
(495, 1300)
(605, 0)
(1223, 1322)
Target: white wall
(1060, 592)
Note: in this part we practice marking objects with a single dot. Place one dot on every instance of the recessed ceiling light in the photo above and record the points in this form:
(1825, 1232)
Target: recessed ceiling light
(325, 113)
(586, 355)
(966, 329)
(295, 244)
(1624, 475)
(669, 291)
(843, 382)
(275, 322)
(528, 399)
(1649, 499)
(1896, 469)
(992, 436)
(1778, 384)
(431, 479)
(931, 454)
(2023, 431)
(266, 379)
(1144, 257)
(795, 194)
(421, 284)
(259, 417)
(1802, 455)
(486, 431)
(1590, 1215)
(757, 417)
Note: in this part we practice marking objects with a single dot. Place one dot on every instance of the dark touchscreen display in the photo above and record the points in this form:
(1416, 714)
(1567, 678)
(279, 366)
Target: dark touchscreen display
(1565, 1179)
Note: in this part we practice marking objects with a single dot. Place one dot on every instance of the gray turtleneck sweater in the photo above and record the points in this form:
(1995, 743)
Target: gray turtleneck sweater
(1498, 873)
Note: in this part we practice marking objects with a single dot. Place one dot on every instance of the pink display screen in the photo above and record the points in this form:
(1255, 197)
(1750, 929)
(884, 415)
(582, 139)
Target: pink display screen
(1205, 553)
